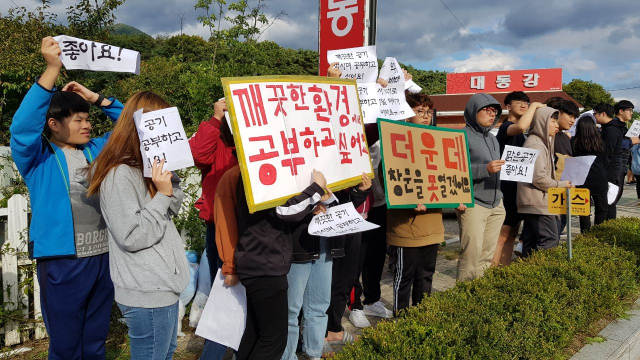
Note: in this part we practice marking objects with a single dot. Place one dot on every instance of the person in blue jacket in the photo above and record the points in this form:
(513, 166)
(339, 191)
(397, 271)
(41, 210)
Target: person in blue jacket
(67, 234)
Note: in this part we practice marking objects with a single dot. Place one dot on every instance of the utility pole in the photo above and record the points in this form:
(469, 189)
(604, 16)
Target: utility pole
(181, 16)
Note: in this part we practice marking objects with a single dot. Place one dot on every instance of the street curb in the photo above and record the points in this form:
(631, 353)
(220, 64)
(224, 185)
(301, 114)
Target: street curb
(622, 340)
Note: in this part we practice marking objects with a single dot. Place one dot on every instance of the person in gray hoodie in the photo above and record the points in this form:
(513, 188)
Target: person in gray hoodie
(147, 263)
(480, 225)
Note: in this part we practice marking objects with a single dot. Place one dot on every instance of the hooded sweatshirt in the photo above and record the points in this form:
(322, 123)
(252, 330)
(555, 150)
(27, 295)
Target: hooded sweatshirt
(532, 198)
(483, 148)
(614, 154)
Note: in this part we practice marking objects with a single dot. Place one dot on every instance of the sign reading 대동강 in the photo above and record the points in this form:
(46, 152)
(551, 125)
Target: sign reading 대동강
(504, 81)
(519, 164)
(162, 137)
(425, 165)
(90, 55)
(286, 126)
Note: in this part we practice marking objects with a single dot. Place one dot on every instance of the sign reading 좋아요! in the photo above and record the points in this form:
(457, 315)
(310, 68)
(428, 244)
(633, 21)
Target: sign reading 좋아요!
(425, 165)
(286, 126)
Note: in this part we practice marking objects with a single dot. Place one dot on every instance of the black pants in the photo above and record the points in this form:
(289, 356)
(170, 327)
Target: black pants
(212, 251)
(373, 252)
(611, 213)
(638, 186)
(265, 335)
(539, 232)
(342, 278)
(415, 266)
(600, 212)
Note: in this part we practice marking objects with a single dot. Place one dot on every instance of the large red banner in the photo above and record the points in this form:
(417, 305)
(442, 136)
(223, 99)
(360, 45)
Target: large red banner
(504, 81)
(341, 25)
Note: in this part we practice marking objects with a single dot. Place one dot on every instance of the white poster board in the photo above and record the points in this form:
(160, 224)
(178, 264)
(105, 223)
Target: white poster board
(519, 164)
(393, 103)
(339, 220)
(162, 136)
(224, 317)
(576, 169)
(634, 130)
(79, 54)
(360, 64)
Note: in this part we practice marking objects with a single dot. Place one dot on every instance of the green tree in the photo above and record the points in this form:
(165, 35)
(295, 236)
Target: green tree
(92, 21)
(588, 93)
(213, 21)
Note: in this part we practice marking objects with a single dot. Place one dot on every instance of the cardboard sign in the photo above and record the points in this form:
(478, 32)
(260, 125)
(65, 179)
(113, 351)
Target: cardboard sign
(286, 126)
(341, 25)
(162, 136)
(95, 56)
(519, 164)
(580, 201)
(339, 220)
(425, 165)
(504, 81)
(359, 64)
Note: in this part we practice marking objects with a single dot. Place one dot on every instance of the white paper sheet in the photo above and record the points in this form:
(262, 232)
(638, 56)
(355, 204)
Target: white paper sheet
(576, 169)
(634, 130)
(162, 136)
(360, 63)
(612, 193)
(391, 99)
(224, 317)
(519, 164)
(369, 104)
(339, 220)
(95, 56)
(412, 87)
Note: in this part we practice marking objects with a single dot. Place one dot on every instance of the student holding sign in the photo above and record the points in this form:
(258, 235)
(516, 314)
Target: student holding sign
(73, 263)
(540, 229)
(480, 225)
(148, 266)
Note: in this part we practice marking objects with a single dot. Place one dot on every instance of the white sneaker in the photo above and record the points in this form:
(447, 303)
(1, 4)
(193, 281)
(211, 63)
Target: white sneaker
(518, 249)
(378, 309)
(358, 319)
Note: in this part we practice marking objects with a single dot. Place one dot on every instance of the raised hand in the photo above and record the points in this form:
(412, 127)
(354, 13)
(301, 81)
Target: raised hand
(334, 71)
(318, 178)
(365, 184)
(161, 179)
(86, 94)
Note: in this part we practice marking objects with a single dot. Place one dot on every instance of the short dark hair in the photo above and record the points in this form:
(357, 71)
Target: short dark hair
(553, 102)
(564, 106)
(622, 105)
(515, 96)
(555, 115)
(415, 100)
(604, 108)
(64, 104)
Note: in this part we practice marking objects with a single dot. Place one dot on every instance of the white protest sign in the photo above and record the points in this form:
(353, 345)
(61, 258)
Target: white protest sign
(286, 126)
(393, 104)
(412, 87)
(576, 169)
(162, 136)
(339, 220)
(90, 55)
(612, 193)
(224, 317)
(519, 164)
(369, 105)
(360, 64)
(634, 130)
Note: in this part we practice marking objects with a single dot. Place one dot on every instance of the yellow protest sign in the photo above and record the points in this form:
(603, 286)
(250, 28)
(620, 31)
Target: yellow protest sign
(580, 201)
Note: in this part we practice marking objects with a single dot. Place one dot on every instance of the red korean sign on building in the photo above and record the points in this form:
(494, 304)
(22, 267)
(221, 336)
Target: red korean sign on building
(341, 26)
(504, 81)
(286, 126)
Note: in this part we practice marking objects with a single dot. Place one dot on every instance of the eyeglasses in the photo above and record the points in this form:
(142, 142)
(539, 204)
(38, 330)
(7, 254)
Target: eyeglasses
(424, 113)
(489, 110)
(629, 110)
(519, 103)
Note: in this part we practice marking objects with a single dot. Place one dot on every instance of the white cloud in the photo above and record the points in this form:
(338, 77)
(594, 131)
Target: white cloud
(480, 61)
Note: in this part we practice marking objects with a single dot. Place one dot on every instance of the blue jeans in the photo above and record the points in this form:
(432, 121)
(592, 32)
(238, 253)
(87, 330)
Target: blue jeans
(213, 350)
(310, 290)
(153, 332)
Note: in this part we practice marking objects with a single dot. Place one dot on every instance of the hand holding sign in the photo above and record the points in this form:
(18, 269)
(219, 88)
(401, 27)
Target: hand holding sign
(495, 166)
(90, 55)
(162, 179)
(519, 164)
(51, 52)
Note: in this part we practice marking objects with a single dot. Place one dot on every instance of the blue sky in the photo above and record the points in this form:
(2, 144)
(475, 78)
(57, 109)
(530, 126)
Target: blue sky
(590, 39)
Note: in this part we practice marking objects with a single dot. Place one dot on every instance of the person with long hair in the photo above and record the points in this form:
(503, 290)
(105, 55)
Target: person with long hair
(148, 266)
(588, 141)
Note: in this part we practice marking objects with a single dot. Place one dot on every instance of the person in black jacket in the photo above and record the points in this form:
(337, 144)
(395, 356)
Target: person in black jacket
(623, 111)
(587, 142)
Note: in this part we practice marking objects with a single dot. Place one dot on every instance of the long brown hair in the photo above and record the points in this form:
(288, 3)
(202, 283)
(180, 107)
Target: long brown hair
(123, 147)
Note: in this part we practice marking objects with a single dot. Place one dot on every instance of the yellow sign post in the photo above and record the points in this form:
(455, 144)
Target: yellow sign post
(579, 205)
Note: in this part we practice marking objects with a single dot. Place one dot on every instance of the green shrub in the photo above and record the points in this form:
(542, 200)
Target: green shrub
(623, 232)
(532, 309)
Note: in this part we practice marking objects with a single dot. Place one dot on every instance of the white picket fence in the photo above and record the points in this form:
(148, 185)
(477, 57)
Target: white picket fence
(14, 269)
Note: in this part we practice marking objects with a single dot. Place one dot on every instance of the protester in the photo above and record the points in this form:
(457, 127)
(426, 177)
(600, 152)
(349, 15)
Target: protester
(612, 133)
(587, 142)
(76, 289)
(480, 225)
(511, 133)
(635, 167)
(540, 230)
(414, 233)
(623, 111)
(148, 266)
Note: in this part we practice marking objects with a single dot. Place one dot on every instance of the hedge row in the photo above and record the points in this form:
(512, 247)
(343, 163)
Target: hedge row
(532, 309)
